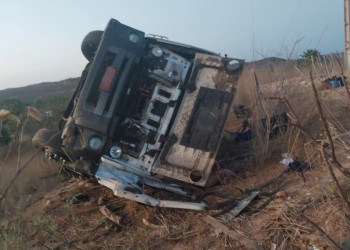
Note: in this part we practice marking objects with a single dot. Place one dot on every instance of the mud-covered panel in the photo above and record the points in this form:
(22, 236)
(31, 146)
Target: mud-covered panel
(207, 119)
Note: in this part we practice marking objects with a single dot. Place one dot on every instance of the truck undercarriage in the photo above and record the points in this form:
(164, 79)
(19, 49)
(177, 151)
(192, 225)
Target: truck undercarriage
(147, 111)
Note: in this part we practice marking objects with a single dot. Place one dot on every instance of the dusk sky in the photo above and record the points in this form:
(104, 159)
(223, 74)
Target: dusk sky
(40, 39)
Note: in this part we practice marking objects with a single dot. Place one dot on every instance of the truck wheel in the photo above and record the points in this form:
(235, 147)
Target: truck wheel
(90, 44)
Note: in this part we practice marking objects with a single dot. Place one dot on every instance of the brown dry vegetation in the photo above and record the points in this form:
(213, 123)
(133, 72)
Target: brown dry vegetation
(40, 211)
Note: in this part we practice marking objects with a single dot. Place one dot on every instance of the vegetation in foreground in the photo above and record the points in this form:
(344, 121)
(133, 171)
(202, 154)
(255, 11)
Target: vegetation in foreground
(57, 220)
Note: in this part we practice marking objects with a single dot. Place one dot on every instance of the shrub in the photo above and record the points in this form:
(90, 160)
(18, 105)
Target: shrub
(5, 137)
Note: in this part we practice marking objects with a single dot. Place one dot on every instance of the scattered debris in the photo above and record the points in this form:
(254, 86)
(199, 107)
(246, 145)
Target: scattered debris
(219, 227)
(242, 112)
(299, 165)
(101, 201)
(314, 247)
(129, 185)
(154, 226)
(111, 216)
(287, 161)
(332, 82)
(294, 164)
(326, 180)
(247, 135)
(225, 175)
(281, 194)
(80, 197)
(239, 207)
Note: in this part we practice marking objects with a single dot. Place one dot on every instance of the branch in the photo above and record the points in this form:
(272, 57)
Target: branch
(22, 168)
(323, 120)
(322, 150)
(342, 75)
(246, 242)
(315, 225)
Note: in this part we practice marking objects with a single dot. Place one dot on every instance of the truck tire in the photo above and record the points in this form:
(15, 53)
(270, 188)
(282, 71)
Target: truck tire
(91, 43)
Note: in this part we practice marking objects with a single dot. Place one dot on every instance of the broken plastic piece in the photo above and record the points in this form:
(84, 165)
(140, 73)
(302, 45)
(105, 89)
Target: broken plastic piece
(287, 161)
(130, 186)
(240, 206)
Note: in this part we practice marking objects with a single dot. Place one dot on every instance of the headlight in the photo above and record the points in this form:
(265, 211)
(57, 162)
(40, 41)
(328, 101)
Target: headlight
(95, 143)
(233, 65)
(115, 152)
(134, 37)
(157, 52)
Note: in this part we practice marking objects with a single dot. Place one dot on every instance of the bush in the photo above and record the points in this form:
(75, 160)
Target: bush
(5, 137)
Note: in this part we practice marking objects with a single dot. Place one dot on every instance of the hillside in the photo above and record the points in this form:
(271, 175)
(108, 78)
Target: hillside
(265, 63)
(67, 86)
(44, 89)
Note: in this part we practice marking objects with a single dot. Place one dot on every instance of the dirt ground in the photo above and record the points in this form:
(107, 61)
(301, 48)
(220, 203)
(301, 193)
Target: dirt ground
(48, 210)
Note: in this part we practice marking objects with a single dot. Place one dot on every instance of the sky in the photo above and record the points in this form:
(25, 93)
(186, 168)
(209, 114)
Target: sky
(40, 39)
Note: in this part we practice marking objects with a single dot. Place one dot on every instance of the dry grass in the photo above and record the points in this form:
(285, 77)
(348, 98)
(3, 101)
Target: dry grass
(285, 79)
(282, 225)
(60, 224)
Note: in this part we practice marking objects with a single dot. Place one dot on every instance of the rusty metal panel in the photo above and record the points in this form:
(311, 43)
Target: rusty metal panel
(209, 84)
(207, 119)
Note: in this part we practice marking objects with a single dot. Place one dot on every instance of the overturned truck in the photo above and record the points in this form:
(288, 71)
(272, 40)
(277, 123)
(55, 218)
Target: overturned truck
(147, 111)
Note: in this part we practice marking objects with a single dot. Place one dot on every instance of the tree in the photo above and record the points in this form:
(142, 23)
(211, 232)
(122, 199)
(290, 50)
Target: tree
(13, 105)
(308, 56)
